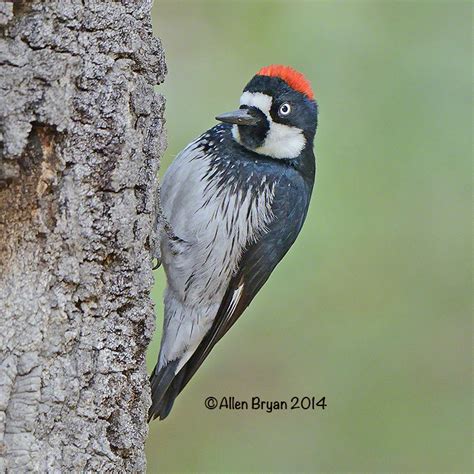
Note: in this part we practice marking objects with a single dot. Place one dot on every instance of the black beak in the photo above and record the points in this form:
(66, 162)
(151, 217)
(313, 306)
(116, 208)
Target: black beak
(239, 117)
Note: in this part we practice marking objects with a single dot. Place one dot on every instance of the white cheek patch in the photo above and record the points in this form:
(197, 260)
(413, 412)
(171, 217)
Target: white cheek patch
(282, 141)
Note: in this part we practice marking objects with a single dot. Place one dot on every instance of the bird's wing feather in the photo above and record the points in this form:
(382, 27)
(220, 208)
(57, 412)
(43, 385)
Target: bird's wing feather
(256, 265)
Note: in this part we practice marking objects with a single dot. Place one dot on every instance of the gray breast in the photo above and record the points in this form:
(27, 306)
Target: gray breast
(215, 214)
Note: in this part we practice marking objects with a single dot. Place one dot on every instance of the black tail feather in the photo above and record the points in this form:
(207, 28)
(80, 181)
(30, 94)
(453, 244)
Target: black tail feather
(160, 382)
(166, 403)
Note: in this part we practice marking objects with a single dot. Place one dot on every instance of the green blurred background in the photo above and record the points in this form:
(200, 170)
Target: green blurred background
(372, 306)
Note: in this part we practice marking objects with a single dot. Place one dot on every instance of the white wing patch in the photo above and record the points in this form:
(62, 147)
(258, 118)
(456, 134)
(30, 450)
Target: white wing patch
(235, 299)
(282, 141)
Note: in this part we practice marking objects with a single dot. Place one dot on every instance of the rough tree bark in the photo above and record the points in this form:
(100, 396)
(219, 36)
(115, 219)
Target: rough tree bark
(81, 135)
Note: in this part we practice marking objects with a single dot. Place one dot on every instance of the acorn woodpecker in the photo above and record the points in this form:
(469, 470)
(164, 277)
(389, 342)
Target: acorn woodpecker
(235, 200)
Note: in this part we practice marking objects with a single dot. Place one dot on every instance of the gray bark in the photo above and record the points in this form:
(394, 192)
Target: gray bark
(81, 135)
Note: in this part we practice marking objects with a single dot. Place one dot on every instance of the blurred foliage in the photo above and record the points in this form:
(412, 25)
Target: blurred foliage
(372, 306)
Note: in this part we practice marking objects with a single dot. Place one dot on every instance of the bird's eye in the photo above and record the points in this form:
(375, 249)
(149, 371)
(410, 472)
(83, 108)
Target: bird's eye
(284, 109)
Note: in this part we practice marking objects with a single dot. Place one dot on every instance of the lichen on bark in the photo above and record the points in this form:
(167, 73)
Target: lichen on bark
(81, 133)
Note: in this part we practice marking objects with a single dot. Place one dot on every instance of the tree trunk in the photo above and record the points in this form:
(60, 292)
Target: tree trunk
(81, 135)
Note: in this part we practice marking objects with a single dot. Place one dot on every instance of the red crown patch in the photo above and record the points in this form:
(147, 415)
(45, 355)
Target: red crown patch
(293, 78)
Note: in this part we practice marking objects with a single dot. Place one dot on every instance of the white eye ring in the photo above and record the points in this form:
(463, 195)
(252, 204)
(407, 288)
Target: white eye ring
(284, 109)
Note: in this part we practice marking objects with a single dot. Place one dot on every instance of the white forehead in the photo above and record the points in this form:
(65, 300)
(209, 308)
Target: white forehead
(257, 99)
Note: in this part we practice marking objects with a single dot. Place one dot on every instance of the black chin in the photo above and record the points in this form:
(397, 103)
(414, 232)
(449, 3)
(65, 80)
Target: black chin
(253, 136)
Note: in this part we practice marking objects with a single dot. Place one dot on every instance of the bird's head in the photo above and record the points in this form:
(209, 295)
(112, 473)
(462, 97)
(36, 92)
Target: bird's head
(277, 115)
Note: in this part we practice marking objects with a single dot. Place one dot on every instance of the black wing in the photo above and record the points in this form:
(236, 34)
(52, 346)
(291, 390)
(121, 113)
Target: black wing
(257, 263)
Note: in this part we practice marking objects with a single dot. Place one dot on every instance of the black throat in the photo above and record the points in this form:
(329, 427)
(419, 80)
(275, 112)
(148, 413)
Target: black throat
(254, 136)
